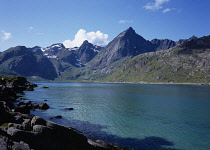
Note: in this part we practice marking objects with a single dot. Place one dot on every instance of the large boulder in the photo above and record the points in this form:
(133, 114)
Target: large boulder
(43, 106)
(20, 135)
(59, 136)
(36, 120)
(23, 109)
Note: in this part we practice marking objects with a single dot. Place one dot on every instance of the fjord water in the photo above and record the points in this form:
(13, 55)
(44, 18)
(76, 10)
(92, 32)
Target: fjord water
(138, 116)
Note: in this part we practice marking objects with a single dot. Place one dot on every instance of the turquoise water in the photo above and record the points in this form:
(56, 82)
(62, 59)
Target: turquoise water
(138, 116)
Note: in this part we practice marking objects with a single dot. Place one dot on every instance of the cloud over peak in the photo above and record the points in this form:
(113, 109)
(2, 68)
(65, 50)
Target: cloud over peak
(125, 21)
(6, 35)
(155, 5)
(96, 38)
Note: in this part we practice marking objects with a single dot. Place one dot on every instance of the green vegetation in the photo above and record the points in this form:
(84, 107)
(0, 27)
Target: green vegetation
(176, 65)
(5, 125)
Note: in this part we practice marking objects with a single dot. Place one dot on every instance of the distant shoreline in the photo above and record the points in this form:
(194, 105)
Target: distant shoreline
(158, 83)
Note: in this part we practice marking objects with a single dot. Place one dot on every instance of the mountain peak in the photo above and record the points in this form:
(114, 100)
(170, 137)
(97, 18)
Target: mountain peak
(85, 42)
(129, 32)
(193, 37)
(130, 29)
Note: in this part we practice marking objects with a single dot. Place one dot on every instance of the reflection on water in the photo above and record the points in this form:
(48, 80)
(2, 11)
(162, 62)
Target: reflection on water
(177, 114)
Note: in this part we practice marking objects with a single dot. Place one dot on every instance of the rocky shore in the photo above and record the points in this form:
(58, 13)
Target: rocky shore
(20, 130)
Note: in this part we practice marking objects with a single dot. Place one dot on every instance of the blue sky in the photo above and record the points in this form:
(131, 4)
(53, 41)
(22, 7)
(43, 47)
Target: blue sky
(45, 22)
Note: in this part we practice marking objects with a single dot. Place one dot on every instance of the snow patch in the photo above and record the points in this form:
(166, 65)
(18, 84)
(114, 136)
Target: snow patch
(53, 56)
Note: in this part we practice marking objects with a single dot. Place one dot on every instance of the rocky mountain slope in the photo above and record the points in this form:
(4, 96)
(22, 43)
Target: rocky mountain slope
(88, 62)
(188, 63)
(22, 61)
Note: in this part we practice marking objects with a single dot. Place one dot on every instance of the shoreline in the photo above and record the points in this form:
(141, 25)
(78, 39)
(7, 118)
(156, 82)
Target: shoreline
(21, 130)
(157, 83)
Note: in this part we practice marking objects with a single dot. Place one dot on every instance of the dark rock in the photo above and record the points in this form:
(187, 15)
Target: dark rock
(29, 88)
(21, 103)
(69, 108)
(3, 132)
(59, 116)
(20, 135)
(35, 105)
(26, 125)
(38, 121)
(29, 102)
(4, 114)
(15, 125)
(20, 146)
(45, 87)
(40, 129)
(43, 106)
(18, 119)
(23, 109)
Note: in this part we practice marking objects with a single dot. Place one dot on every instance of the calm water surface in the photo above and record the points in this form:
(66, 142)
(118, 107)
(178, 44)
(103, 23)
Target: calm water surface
(152, 117)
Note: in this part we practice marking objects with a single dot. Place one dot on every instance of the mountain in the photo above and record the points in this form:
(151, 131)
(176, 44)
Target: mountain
(182, 41)
(188, 63)
(23, 61)
(87, 52)
(127, 58)
(37, 50)
(162, 44)
(126, 44)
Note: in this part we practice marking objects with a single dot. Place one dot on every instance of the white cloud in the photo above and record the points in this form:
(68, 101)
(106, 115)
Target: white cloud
(30, 28)
(96, 38)
(168, 9)
(125, 21)
(155, 5)
(6, 35)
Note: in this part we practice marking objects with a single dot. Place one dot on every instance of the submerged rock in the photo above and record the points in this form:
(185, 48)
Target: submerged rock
(69, 108)
(59, 116)
(45, 87)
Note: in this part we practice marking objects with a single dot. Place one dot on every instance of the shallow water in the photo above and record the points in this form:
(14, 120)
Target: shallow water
(138, 116)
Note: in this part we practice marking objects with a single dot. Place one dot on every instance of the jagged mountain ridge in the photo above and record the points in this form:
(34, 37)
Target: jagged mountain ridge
(126, 44)
(85, 62)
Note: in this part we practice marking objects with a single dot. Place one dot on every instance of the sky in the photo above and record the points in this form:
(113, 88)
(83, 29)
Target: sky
(46, 22)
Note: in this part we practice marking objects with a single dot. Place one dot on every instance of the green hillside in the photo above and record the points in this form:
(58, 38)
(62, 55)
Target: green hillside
(189, 63)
